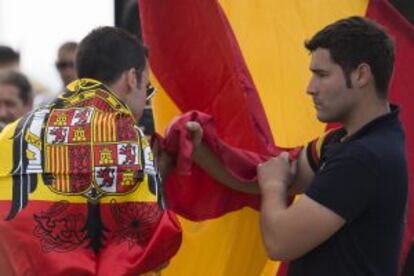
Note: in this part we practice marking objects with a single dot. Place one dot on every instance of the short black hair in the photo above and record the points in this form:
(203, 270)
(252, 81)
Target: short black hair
(21, 82)
(357, 40)
(106, 52)
(69, 45)
(8, 55)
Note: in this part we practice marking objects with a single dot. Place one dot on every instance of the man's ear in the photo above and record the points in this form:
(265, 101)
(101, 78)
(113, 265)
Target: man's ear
(131, 79)
(362, 75)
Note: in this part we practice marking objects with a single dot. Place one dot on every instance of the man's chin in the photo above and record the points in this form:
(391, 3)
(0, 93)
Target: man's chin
(325, 118)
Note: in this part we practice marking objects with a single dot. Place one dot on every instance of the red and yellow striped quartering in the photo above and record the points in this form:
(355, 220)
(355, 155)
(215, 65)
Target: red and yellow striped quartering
(104, 128)
(57, 163)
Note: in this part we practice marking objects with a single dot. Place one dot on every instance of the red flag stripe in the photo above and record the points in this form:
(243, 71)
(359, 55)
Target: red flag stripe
(215, 78)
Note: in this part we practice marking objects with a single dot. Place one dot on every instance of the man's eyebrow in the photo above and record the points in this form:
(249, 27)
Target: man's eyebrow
(318, 70)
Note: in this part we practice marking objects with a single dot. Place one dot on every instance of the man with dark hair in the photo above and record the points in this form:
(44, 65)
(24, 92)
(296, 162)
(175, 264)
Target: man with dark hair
(105, 55)
(82, 185)
(65, 63)
(348, 41)
(9, 59)
(350, 219)
(16, 97)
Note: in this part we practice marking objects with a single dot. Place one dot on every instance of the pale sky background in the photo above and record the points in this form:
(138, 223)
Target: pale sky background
(37, 28)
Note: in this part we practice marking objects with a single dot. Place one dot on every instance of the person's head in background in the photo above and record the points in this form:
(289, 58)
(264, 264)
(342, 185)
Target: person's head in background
(9, 59)
(16, 96)
(65, 63)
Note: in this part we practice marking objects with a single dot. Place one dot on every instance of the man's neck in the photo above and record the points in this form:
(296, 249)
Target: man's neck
(364, 115)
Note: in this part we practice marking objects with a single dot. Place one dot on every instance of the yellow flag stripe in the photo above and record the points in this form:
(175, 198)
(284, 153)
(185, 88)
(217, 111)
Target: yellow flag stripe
(47, 159)
(113, 127)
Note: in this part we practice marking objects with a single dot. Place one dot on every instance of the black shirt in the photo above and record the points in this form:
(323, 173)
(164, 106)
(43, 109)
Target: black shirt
(363, 179)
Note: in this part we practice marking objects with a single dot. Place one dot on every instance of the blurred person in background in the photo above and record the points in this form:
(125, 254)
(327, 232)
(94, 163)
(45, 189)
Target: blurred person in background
(10, 61)
(65, 63)
(9, 58)
(16, 96)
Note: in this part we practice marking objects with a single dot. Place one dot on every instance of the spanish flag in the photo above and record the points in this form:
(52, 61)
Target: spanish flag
(243, 62)
(79, 193)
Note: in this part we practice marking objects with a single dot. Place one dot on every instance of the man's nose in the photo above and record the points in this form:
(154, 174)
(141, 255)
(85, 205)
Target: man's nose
(312, 87)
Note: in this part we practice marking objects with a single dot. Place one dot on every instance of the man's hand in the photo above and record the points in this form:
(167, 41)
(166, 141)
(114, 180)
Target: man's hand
(207, 160)
(275, 174)
(196, 133)
(165, 162)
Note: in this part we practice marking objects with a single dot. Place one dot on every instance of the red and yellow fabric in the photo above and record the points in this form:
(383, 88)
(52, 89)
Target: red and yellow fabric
(244, 63)
(75, 191)
(192, 193)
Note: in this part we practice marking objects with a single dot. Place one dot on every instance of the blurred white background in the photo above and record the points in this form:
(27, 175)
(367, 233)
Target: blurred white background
(37, 28)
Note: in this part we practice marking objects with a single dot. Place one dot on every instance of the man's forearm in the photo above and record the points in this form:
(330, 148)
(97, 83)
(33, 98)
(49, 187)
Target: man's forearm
(210, 163)
(273, 208)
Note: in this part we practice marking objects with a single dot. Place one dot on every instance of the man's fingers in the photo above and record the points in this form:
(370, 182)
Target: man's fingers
(193, 126)
(284, 155)
(195, 129)
(196, 132)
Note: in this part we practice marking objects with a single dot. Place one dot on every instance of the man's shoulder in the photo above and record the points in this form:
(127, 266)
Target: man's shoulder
(381, 159)
(354, 150)
(387, 146)
(374, 149)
